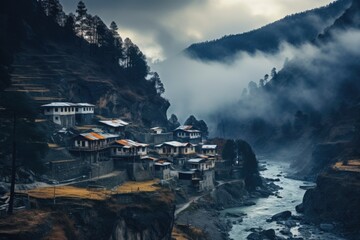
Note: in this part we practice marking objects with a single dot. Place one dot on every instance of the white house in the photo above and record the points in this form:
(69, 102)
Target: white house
(187, 133)
(200, 164)
(114, 125)
(128, 148)
(69, 114)
(157, 130)
(209, 150)
(174, 148)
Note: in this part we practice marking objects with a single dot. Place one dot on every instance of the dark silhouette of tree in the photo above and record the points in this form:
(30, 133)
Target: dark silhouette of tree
(81, 24)
(228, 153)
(155, 80)
(198, 124)
(70, 24)
(135, 60)
(250, 164)
(173, 122)
(273, 73)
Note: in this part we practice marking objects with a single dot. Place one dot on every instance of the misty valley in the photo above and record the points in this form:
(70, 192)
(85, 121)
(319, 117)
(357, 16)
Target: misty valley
(124, 120)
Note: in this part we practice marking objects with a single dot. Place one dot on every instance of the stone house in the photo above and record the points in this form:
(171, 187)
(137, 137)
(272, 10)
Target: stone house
(187, 134)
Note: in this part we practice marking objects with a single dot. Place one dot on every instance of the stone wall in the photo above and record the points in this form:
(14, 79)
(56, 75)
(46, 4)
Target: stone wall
(67, 169)
(101, 168)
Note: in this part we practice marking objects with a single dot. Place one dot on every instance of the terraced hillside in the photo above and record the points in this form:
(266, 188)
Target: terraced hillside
(60, 72)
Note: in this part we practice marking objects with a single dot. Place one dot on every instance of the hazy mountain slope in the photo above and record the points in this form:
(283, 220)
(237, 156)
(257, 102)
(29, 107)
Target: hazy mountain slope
(295, 29)
(311, 105)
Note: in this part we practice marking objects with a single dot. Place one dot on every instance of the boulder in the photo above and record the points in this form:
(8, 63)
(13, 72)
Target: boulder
(299, 208)
(281, 216)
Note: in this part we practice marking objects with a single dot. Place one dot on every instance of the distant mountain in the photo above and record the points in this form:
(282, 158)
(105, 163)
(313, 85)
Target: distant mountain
(294, 29)
(311, 105)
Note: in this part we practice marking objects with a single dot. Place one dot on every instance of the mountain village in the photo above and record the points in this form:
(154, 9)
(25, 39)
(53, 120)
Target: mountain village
(86, 149)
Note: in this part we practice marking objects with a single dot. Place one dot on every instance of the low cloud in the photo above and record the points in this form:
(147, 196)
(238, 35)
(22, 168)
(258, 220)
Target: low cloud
(163, 28)
(212, 90)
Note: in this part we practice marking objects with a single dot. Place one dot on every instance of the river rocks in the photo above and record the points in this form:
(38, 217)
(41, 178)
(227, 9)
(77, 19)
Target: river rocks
(263, 235)
(327, 227)
(286, 231)
(281, 216)
(300, 208)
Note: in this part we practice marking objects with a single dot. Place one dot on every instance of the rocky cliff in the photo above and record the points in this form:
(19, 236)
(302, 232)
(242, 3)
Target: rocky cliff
(138, 216)
(335, 198)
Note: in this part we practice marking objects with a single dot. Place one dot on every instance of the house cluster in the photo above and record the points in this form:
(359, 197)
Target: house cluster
(183, 156)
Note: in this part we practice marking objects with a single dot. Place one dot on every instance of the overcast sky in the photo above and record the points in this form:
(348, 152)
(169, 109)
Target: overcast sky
(163, 28)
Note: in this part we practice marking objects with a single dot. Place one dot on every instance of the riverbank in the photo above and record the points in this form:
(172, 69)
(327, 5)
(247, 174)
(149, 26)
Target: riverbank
(206, 211)
(230, 212)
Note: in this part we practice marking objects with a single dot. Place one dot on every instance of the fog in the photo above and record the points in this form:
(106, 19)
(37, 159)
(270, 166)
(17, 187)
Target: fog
(212, 90)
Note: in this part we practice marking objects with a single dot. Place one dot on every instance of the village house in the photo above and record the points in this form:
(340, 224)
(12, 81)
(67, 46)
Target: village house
(174, 149)
(132, 156)
(162, 170)
(69, 114)
(114, 126)
(188, 134)
(93, 146)
(209, 150)
(125, 148)
(157, 130)
(200, 174)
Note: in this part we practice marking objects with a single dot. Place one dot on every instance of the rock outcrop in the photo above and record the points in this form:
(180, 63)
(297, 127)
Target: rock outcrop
(336, 198)
(137, 216)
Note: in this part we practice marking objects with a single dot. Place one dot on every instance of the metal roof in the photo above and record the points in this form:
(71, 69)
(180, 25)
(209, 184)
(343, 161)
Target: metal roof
(162, 164)
(187, 128)
(196, 160)
(67, 104)
(209, 146)
(174, 144)
(92, 136)
(127, 143)
(115, 123)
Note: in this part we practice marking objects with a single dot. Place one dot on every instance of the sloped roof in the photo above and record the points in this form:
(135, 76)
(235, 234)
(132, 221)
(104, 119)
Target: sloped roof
(127, 143)
(174, 144)
(209, 146)
(196, 160)
(114, 123)
(92, 136)
(67, 104)
(186, 128)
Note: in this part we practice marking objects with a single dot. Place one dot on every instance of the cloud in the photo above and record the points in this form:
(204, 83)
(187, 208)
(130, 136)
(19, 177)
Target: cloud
(211, 91)
(163, 28)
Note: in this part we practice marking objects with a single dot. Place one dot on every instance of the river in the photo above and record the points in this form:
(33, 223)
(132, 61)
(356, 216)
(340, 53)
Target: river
(266, 207)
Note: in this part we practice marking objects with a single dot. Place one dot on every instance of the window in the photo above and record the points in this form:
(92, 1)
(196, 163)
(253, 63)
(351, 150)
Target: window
(56, 118)
(77, 109)
(56, 109)
(62, 109)
(83, 143)
(143, 149)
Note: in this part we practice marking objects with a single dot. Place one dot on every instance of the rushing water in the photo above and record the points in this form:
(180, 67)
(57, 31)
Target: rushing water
(266, 207)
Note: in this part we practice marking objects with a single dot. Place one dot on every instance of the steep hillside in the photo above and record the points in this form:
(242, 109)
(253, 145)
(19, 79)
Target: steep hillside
(309, 106)
(295, 29)
(50, 63)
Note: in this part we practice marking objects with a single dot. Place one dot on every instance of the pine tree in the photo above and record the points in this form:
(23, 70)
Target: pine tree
(81, 24)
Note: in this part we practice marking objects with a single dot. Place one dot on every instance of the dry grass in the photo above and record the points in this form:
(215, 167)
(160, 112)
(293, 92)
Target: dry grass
(146, 186)
(351, 166)
(93, 194)
(68, 191)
